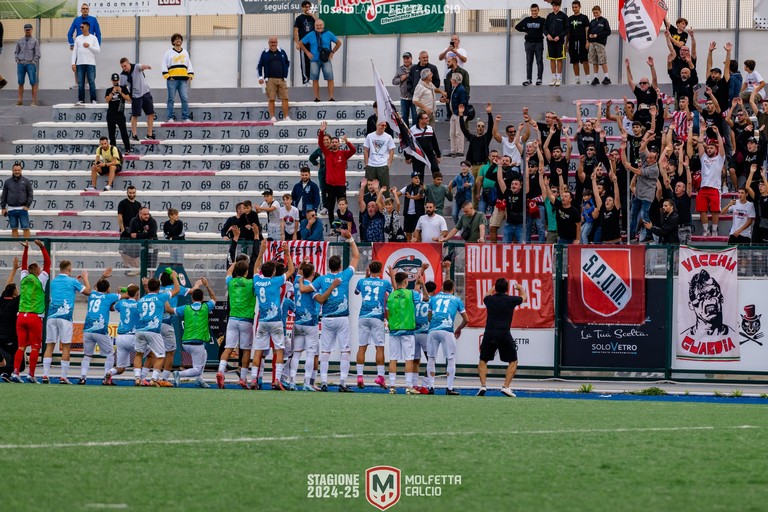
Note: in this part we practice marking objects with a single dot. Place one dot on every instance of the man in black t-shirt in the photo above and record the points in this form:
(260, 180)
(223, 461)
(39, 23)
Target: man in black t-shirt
(578, 26)
(497, 337)
(116, 96)
(568, 216)
(645, 93)
(304, 24)
(127, 210)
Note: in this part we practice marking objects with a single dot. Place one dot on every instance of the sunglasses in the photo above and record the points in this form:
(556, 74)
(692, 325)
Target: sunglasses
(511, 132)
(643, 83)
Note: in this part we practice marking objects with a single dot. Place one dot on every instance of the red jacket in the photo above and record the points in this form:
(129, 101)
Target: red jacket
(335, 162)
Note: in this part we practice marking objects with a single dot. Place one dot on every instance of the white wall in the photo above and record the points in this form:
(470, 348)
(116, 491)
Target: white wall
(216, 59)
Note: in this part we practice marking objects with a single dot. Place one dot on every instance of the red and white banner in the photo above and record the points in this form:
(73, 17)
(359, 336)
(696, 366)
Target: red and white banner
(315, 252)
(409, 258)
(529, 265)
(606, 285)
(640, 21)
(707, 306)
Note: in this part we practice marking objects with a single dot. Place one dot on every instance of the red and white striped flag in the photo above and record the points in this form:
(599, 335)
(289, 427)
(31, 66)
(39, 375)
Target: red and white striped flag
(640, 21)
(315, 252)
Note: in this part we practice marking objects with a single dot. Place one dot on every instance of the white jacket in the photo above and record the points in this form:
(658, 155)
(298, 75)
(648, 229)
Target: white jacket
(82, 55)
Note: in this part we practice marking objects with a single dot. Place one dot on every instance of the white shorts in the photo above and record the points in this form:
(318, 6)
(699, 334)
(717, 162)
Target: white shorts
(91, 339)
(58, 329)
(335, 329)
(239, 334)
(401, 347)
(169, 337)
(153, 341)
(199, 356)
(371, 330)
(420, 344)
(305, 337)
(444, 338)
(125, 347)
(267, 330)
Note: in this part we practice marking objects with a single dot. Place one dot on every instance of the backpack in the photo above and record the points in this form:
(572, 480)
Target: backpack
(402, 311)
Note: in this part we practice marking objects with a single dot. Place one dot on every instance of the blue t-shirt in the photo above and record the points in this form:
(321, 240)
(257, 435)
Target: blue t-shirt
(267, 292)
(337, 304)
(444, 307)
(174, 301)
(97, 317)
(416, 303)
(288, 306)
(422, 315)
(310, 41)
(151, 308)
(129, 316)
(374, 291)
(306, 306)
(63, 290)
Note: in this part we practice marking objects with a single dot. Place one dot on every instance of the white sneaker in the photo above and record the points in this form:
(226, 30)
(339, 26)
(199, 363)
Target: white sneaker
(79, 103)
(553, 81)
(90, 187)
(272, 119)
(508, 392)
(107, 188)
(557, 82)
(323, 211)
(286, 118)
(94, 102)
(713, 231)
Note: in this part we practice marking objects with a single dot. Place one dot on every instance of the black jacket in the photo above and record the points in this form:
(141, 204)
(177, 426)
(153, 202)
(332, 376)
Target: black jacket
(668, 230)
(477, 153)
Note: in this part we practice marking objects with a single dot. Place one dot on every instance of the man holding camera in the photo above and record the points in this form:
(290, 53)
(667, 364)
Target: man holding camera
(317, 47)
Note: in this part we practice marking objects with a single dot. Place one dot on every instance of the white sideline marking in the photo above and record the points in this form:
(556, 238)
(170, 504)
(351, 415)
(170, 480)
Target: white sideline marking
(110, 506)
(99, 444)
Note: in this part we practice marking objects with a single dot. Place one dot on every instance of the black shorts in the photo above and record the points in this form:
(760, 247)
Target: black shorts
(577, 51)
(144, 103)
(501, 343)
(409, 222)
(555, 50)
(104, 169)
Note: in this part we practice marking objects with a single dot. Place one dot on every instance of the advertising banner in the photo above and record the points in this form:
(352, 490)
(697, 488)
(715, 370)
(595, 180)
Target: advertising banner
(529, 265)
(362, 17)
(162, 8)
(707, 306)
(409, 258)
(607, 285)
(611, 345)
(272, 6)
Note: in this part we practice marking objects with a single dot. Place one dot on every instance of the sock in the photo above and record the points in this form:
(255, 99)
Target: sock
(392, 379)
(408, 378)
(166, 374)
(279, 369)
(137, 373)
(18, 358)
(155, 374)
(109, 363)
(113, 372)
(47, 366)
(85, 365)
(33, 355)
(704, 227)
(294, 369)
(360, 369)
(605, 74)
(309, 367)
(451, 372)
(415, 380)
(261, 367)
(285, 373)
(380, 370)
(223, 366)
(254, 372)
(144, 373)
(64, 369)
(431, 372)
(344, 368)
(324, 357)
(243, 372)
(714, 232)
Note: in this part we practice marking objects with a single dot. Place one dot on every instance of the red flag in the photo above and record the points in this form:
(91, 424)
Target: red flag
(640, 21)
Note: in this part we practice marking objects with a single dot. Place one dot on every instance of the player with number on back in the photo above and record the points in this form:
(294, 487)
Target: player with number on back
(166, 329)
(266, 288)
(443, 308)
(96, 328)
(126, 330)
(197, 332)
(422, 331)
(336, 313)
(148, 333)
(306, 334)
(370, 325)
(239, 335)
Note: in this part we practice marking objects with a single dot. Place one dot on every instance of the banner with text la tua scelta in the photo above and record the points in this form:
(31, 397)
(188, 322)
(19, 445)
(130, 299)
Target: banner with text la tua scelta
(528, 265)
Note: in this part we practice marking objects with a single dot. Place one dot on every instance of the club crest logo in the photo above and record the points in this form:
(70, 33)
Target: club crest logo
(606, 280)
(382, 486)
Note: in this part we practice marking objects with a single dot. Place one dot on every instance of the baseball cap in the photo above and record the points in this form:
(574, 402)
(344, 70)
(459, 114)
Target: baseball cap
(27, 26)
(653, 149)
(408, 54)
(752, 139)
(268, 192)
(414, 173)
(115, 76)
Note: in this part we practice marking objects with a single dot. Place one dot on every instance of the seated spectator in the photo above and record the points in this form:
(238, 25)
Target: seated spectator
(667, 231)
(108, 161)
(311, 228)
(173, 228)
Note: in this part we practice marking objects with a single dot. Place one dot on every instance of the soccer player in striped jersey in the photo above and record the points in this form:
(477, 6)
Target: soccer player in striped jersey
(443, 308)
(374, 289)
(336, 313)
(402, 304)
(58, 326)
(266, 288)
(239, 334)
(96, 329)
(29, 323)
(148, 337)
(197, 332)
(126, 331)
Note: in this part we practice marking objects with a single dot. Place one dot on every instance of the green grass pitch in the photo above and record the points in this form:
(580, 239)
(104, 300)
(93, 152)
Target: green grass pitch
(529, 454)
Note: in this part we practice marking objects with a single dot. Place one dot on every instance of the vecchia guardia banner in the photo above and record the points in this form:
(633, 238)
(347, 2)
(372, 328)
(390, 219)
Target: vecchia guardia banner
(361, 17)
(640, 20)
